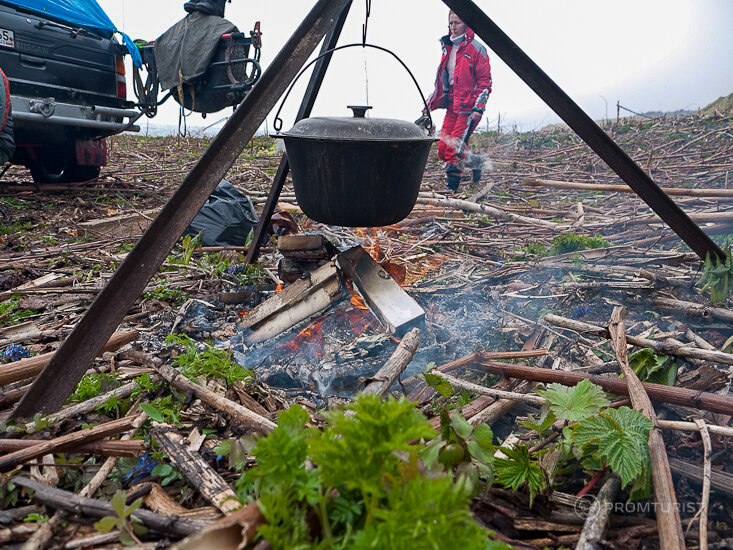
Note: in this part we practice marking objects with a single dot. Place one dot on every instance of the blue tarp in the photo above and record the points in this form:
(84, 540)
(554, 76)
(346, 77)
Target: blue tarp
(86, 14)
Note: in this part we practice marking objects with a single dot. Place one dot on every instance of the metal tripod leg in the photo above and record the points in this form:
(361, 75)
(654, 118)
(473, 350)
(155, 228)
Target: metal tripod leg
(586, 128)
(59, 378)
(309, 98)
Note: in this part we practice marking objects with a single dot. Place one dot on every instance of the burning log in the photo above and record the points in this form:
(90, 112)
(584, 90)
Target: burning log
(30, 367)
(93, 508)
(196, 470)
(9, 461)
(386, 299)
(390, 372)
(297, 302)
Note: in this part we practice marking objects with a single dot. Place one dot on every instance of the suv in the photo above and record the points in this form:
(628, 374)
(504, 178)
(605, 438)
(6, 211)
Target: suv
(67, 87)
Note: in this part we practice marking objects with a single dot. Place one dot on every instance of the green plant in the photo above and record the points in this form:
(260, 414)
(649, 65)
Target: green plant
(35, 517)
(91, 385)
(520, 469)
(129, 526)
(209, 362)
(570, 242)
(389, 504)
(10, 314)
(715, 276)
(653, 367)
(166, 293)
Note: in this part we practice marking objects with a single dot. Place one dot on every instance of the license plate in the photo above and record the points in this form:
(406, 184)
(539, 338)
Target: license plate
(7, 38)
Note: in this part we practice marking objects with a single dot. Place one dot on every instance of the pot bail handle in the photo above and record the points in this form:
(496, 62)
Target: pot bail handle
(277, 124)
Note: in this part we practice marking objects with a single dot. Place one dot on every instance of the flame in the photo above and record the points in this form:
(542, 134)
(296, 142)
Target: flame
(369, 242)
(358, 302)
(278, 288)
(311, 336)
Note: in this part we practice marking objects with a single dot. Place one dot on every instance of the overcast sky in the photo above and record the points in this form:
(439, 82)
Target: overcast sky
(648, 54)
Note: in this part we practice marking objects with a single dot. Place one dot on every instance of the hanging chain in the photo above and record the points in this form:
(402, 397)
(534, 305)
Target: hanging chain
(366, 22)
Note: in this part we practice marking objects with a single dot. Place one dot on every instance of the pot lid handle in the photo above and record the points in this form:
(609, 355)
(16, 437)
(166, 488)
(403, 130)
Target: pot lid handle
(359, 110)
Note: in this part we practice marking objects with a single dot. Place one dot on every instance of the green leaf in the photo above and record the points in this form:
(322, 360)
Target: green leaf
(224, 448)
(152, 411)
(543, 424)
(439, 384)
(118, 503)
(483, 435)
(461, 426)
(106, 524)
(162, 470)
(134, 506)
(519, 469)
(126, 539)
(621, 437)
(575, 403)
(652, 367)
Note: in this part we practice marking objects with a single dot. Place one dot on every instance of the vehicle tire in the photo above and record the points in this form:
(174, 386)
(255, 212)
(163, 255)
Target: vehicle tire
(60, 167)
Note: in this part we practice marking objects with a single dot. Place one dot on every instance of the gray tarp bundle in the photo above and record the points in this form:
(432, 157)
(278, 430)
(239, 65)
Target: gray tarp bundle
(183, 52)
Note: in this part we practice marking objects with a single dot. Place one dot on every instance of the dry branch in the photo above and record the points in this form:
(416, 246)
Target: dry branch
(596, 523)
(93, 508)
(108, 448)
(400, 358)
(196, 470)
(668, 516)
(11, 460)
(681, 191)
(31, 366)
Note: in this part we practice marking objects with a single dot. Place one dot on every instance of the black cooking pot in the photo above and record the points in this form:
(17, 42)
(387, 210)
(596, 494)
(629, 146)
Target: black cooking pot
(356, 171)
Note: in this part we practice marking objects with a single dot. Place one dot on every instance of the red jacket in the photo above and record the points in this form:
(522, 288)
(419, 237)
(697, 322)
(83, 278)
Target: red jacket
(471, 76)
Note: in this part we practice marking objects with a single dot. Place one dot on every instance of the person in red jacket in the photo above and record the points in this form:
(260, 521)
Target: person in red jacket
(463, 74)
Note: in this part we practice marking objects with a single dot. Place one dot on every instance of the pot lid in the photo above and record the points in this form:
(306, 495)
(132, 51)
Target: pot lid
(357, 127)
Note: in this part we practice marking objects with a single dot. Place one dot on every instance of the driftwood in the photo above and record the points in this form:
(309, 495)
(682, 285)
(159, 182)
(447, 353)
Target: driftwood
(31, 366)
(400, 358)
(657, 392)
(196, 470)
(659, 347)
(236, 411)
(94, 509)
(668, 516)
(11, 460)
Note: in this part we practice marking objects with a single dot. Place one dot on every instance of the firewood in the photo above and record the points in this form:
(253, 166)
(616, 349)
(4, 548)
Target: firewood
(668, 516)
(400, 358)
(31, 366)
(9, 461)
(197, 471)
(93, 508)
(679, 191)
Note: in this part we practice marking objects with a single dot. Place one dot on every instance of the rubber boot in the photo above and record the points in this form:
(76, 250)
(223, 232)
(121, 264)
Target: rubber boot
(210, 7)
(475, 163)
(453, 177)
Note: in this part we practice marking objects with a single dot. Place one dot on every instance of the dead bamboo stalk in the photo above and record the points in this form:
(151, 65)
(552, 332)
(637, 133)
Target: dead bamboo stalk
(681, 191)
(594, 528)
(93, 508)
(31, 366)
(669, 522)
(11, 460)
(237, 412)
(706, 474)
(657, 392)
(395, 365)
(197, 471)
(660, 347)
(487, 210)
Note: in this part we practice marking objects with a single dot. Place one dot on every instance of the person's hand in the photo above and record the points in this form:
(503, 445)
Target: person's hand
(475, 116)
